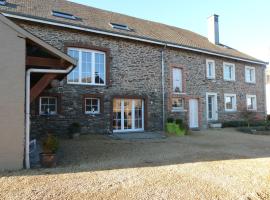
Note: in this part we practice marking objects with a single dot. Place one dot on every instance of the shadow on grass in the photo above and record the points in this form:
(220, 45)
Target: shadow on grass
(97, 153)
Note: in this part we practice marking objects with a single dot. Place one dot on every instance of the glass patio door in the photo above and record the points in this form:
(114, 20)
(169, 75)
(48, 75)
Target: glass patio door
(128, 115)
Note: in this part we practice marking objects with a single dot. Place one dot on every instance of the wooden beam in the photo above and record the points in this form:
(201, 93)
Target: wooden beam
(44, 62)
(37, 89)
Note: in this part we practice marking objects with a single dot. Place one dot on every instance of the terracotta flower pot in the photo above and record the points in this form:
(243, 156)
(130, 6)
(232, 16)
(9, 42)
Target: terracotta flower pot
(48, 160)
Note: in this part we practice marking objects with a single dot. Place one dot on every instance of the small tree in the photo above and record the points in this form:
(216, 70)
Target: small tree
(247, 115)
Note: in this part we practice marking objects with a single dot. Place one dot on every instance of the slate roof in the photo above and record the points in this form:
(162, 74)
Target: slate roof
(100, 20)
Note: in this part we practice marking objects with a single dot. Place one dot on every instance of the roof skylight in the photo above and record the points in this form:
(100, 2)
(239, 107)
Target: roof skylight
(120, 26)
(3, 2)
(63, 15)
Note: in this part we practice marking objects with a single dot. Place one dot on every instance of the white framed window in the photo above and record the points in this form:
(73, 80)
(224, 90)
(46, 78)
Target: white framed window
(47, 105)
(250, 74)
(92, 105)
(251, 102)
(210, 69)
(230, 102)
(229, 72)
(177, 104)
(177, 81)
(91, 67)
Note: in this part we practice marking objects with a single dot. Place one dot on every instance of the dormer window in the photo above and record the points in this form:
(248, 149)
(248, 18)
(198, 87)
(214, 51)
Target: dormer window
(3, 2)
(120, 26)
(63, 15)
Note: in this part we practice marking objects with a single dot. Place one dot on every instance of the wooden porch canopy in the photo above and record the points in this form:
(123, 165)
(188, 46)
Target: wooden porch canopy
(41, 55)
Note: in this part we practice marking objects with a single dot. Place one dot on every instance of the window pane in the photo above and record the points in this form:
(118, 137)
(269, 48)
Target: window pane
(74, 75)
(99, 68)
(177, 80)
(92, 105)
(229, 102)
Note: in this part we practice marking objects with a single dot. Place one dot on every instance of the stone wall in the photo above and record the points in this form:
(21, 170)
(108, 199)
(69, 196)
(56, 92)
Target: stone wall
(135, 70)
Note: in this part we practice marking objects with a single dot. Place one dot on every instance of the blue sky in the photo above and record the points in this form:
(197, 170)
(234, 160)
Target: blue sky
(244, 24)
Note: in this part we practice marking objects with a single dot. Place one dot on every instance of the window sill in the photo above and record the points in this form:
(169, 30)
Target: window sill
(178, 110)
(230, 111)
(87, 84)
(253, 83)
(211, 78)
(229, 80)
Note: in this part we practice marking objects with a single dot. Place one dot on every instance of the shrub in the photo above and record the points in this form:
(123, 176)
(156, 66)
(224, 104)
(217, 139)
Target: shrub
(170, 120)
(243, 123)
(74, 128)
(180, 123)
(268, 117)
(50, 144)
(173, 128)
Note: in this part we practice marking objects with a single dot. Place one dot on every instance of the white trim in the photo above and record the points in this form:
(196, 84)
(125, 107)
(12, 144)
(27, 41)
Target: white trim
(93, 67)
(90, 112)
(251, 96)
(233, 71)
(131, 37)
(234, 103)
(215, 114)
(213, 69)
(250, 68)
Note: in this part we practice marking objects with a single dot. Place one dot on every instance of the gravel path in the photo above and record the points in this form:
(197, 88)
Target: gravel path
(217, 164)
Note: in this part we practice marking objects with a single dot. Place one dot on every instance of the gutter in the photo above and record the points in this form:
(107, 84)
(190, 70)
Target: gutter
(131, 38)
(27, 101)
(163, 86)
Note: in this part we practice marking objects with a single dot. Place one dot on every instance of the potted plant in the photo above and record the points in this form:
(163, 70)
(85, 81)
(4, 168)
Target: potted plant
(74, 130)
(50, 145)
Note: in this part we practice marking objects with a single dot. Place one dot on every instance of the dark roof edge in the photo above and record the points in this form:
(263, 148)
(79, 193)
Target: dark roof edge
(142, 39)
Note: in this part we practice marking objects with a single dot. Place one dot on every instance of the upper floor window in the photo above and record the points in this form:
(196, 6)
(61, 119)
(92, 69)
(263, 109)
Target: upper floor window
(229, 71)
(251, 102)
(90, 69)
(177, 80)
(250, 74)
(3, 2)
(48, 106)
(210, 69)
(230, 102)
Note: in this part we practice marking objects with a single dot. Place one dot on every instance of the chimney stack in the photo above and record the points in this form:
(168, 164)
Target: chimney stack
(213, 29)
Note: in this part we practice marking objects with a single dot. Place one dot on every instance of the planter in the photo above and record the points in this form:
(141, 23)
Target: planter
(48, 160)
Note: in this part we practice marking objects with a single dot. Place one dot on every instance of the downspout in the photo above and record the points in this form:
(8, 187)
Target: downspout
(163, 86)
(27, 101)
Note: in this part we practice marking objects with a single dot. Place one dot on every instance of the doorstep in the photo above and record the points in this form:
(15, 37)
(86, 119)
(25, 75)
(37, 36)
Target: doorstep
(138, 135)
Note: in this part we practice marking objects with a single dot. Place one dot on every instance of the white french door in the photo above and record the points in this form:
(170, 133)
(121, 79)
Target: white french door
(193, 113)
(128, 115)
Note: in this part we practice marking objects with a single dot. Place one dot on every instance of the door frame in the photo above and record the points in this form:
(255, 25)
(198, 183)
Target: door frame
(145, 109)
(198, 111)
(216, 106)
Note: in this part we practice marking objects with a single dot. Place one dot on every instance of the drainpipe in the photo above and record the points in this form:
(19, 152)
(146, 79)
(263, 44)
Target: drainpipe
(27, 112)
(163, 85)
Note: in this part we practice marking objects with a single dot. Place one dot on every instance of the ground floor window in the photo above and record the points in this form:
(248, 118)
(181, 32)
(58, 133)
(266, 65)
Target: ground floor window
(251, 102)
(92, 105)
(128, 115)
(230, 102)
(48, 106)
(177, 104)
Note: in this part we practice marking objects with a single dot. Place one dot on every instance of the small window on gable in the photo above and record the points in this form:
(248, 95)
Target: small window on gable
(210, 69)
(63, 15)
(120, 26)
(3, 2)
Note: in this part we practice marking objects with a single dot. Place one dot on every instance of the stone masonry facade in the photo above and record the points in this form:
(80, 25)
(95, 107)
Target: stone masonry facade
(135, 71)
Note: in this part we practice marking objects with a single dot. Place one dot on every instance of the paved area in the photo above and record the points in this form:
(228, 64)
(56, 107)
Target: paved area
(215, 164)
